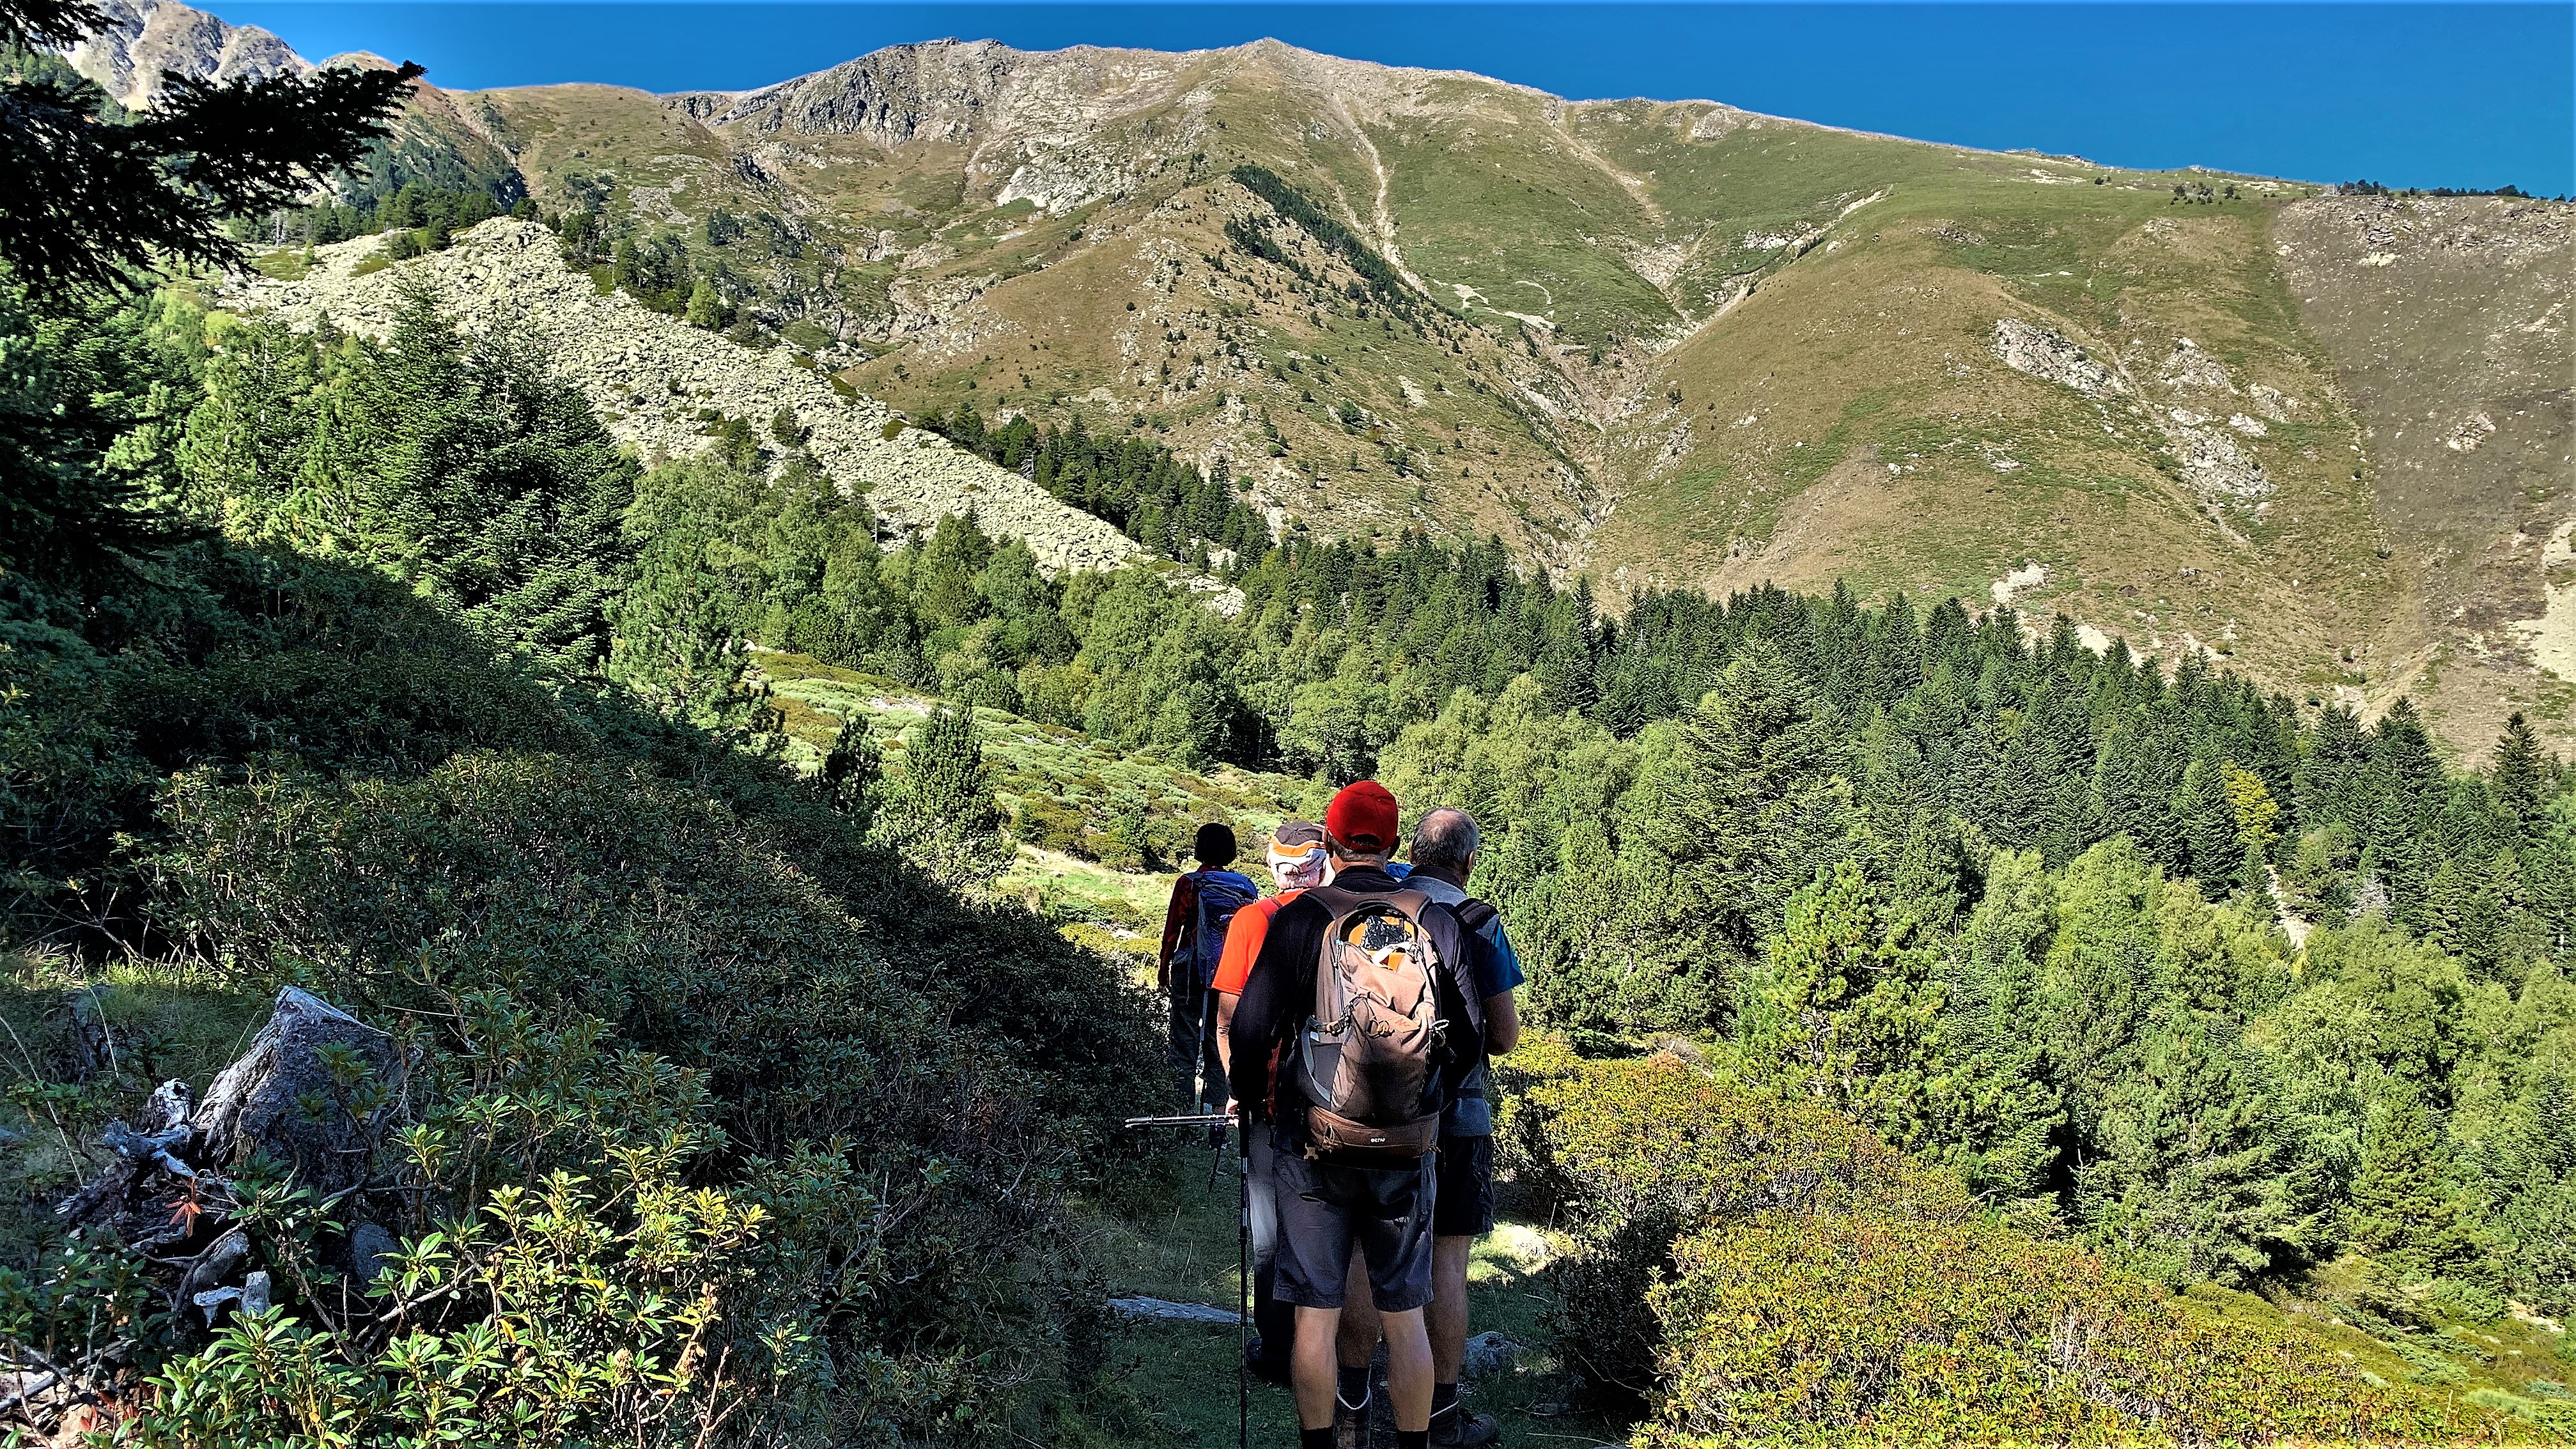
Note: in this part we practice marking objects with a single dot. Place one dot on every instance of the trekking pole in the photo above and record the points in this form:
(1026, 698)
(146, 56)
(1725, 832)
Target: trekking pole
(1242, 1256)
(1243, 1291)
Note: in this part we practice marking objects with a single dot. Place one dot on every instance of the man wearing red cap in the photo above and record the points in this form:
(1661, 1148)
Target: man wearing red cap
(1331, 1201)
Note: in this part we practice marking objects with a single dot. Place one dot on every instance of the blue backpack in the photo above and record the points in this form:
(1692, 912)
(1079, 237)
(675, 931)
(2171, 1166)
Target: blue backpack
(1221, 893)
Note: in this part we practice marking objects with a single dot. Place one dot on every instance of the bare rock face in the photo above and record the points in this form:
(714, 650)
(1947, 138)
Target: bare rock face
(2052, 357)
(143, 38)
(259, 1101)
(940, 89)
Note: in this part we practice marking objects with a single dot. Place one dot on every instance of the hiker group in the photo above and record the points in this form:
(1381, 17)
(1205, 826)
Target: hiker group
(1346, 1023)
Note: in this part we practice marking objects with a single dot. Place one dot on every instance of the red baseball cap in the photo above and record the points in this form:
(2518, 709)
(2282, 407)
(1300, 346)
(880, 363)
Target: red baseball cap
(1362, 817)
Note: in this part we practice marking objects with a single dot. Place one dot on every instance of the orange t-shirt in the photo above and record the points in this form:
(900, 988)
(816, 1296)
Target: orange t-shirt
(1243, 938)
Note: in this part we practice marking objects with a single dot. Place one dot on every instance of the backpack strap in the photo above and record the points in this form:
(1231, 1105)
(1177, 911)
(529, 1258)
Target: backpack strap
(1336, 901)
(1475, 914)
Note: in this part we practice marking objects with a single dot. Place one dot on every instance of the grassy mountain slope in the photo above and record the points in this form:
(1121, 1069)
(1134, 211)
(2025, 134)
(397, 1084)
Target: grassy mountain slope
(2447, 321)
(1661, 344)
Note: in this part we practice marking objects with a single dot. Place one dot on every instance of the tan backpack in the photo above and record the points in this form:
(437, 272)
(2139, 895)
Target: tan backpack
(1374, 1045)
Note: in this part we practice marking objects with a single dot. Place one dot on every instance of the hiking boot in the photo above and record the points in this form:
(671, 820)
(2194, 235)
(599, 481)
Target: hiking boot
(1464, 1428)
(1350, 1426)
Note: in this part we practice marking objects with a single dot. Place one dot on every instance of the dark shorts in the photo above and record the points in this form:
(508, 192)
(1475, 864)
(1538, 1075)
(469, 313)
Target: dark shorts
(1464, 1207)
(1325, 1210)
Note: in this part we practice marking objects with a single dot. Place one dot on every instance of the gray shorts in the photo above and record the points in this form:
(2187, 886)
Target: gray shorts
(1325, 1210)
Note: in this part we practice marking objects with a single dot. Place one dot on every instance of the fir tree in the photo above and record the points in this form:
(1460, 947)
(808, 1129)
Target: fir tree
(93, 205)
(2189, 1185)
(1755, 802)
(2521, 779)
(2404, 1206)
(500, 493)
(2206, 823)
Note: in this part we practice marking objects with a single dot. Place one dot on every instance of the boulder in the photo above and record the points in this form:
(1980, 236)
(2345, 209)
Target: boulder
(371, 1250)
(1489, 1354)
(259, 1101)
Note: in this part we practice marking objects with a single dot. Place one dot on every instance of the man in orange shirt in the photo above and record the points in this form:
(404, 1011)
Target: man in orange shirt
(1297, 861)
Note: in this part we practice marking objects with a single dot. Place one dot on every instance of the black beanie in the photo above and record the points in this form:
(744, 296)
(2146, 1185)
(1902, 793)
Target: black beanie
(1215, 844)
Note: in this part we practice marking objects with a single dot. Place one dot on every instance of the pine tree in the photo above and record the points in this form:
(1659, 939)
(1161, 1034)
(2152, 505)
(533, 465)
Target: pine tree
(2404, 1207)
(850, 771)
(945, 816)
(706, 308)
(245, 447)
(1847, 1006)
(2100, 981)
(2189, 1186)
(1993, 1110)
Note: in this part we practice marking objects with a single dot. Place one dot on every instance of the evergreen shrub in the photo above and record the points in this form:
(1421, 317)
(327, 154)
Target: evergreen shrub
(1860, 1328)
(1749, 1266)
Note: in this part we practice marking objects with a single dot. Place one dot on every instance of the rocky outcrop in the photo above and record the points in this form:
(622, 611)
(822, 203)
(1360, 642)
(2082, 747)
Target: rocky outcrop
(2052, 357)
(941, 89)
(143, 38)
(657, 381)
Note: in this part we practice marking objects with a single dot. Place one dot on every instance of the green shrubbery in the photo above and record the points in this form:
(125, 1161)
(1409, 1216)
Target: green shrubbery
(1757, 1269)
(1867, 1329)
(1633, 1155)
(714, 1116)
(711, 1122)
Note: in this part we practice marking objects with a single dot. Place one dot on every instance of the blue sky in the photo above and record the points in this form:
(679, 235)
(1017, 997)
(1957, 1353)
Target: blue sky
(2409, 95)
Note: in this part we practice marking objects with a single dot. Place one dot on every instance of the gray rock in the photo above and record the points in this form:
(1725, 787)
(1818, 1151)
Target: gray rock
(2052, 357)
(370, 1252)
(254, 1103)
(141, 39)
(1489, 1354)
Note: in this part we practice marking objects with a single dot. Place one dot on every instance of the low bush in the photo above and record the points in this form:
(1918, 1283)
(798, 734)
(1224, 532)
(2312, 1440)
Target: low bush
(716, 1123)
(1631, 1156)
(1749, 1266)
(1864, 1329)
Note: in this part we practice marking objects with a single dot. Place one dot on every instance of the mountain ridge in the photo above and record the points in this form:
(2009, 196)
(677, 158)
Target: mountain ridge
(1667, 344)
